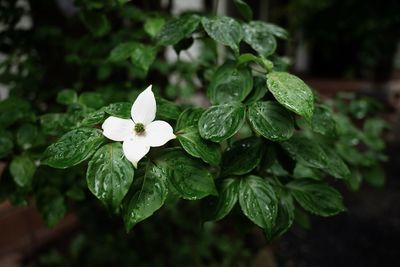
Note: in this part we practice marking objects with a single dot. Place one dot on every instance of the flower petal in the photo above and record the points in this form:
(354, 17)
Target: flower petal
(158, 133)
(117, 129)
(144, 108)
(135, 149)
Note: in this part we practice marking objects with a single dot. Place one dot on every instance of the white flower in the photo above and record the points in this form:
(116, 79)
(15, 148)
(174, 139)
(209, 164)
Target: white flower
(141, 132)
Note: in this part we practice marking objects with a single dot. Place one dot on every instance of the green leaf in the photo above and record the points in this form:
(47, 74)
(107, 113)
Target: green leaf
(216, 208)
(355, 180)
(336, 166)
(316, 197)
(52, 122)
(122, 51)
(271, 120)
(189, 117)
(302, 171)
(50, 203)
(27, 136)
(306, 151)
(259, 38)
(142, 57)
(167, 109)
(242, 157)
(244, 9)
(230, 84)
(224, 30)
(276, 31)
(153, 26)
(13, 109)
(258, 92)
(91, 100)
(93, 118)
(196, 146)
(315, 155)
(351, 154)
(97, 24)
(67, 97)
(323, 122)
(110, 175)
(292, 93)
(148, 199)
(285, 216)
(177, 29)
(189, 177)
(258, 202)
(22, 169)
(246, 58)
(374, 127)
(372, 133)
(73, 148)
(6, 144)
(221, 122)
(120, 110)
(59, 123)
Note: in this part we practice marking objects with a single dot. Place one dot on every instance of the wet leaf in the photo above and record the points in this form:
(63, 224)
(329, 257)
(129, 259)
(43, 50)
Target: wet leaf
(276, 30)
(109, 175)
(221, 122)
(177, 29)
(216, 208)
(148, 199)
(196, 146)
(323, 122)
(257, 35)
(336, 166)
(73, 147)
(306, 151)
(190, 178)
(292, 93)
(285, 216)
(316, 197)
(224, 30)
(258, 201)
(230, 83)
(93, 118)
(271, 120)
(189, 117)
(167, 109)
(120, 110)
(242, 157)
(258, 92)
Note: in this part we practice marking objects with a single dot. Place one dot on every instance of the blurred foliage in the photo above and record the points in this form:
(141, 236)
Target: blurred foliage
(353, 39)
(266, 149)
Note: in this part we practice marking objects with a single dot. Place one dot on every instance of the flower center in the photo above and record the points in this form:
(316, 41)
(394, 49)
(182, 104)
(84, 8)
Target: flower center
(139, 128)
